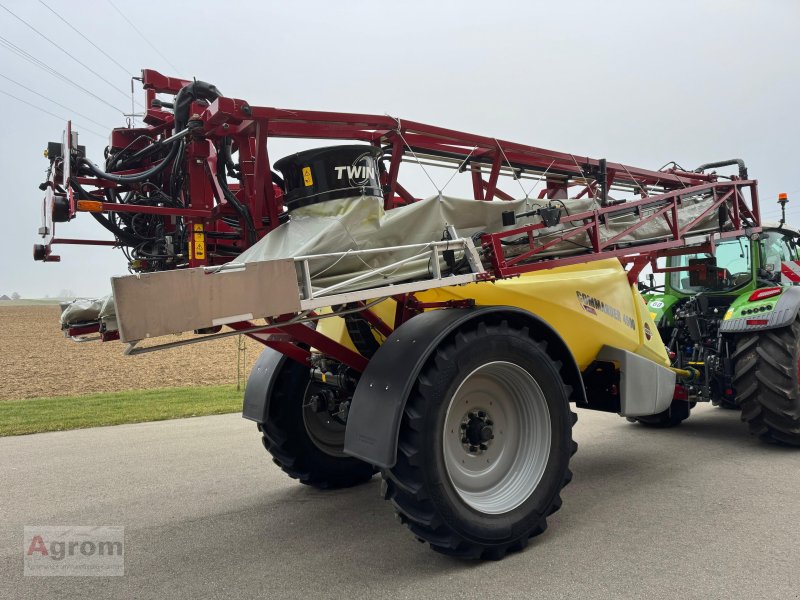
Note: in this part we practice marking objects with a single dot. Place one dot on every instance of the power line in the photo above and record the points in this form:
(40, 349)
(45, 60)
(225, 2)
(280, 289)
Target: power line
(53, 101)
(52, 43)
(47, 112)
(68, 24)
(44, 66)
(141, 35)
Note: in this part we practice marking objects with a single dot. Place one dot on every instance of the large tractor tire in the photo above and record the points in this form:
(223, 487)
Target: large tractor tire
(307, 445)
(766, 381)
(676, 414)
(485, 443)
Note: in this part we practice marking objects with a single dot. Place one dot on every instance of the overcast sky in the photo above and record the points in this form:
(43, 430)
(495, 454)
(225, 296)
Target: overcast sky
(636, 82)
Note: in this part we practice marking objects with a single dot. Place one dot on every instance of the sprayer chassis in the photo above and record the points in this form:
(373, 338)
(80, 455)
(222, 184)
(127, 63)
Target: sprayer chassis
(464, 406)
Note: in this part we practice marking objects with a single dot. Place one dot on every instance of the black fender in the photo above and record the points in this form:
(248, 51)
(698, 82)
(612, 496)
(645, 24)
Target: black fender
(259, 386)
(373, 424)
(785, 312)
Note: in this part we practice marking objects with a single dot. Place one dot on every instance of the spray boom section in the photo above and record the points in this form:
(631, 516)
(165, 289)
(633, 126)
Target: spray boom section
(194, 187)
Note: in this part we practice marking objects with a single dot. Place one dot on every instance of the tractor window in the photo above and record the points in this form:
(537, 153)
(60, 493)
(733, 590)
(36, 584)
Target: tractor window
(774, 250)
(732, 255)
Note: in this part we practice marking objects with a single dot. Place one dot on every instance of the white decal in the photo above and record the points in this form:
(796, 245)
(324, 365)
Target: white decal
(357, 172)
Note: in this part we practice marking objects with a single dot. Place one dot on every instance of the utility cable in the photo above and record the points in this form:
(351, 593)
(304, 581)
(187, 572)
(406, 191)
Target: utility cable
(44, 110)
(141, 35)
(11, 47)
(68, 24)
(53, 101)
(52, 43)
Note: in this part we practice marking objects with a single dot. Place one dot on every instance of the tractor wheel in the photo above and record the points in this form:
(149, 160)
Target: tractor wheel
(766, 381)
(305, 444)
(676, 414)
(485, 444)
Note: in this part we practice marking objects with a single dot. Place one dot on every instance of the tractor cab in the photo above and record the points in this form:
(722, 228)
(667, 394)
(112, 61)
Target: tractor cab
(738, 265)
(736, 288)
(777, 245)
(731, 269)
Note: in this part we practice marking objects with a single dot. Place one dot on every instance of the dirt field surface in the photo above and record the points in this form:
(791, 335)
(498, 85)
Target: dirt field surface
(37, 360)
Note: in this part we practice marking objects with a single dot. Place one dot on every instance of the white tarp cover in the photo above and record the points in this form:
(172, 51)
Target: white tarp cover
(88, 310)
(360, 223)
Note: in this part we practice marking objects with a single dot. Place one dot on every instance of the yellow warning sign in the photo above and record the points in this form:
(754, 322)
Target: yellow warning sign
(307, 179)
(199, 242)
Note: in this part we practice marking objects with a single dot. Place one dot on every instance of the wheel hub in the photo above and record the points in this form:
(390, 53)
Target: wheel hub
(496, 437)
(477, 431)
(325, 418)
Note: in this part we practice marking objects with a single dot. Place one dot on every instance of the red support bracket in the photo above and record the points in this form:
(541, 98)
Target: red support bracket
(307, 335)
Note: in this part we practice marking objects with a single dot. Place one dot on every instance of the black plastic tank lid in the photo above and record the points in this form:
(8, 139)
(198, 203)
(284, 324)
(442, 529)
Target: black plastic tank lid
(324, 174)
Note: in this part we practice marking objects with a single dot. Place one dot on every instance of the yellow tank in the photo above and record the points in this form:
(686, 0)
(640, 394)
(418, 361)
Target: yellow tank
(590, 305)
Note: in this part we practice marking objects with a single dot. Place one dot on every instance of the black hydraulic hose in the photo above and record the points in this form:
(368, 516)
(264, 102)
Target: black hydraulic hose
(238, 206)
(120, 155)
(725, 163)
(176, 177)
(200, 90)
(81, 191)
(122, 236)
(138, 177)
(137, 156)
(197, 90)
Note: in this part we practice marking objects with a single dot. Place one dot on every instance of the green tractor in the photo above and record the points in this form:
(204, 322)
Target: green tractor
(730, 322)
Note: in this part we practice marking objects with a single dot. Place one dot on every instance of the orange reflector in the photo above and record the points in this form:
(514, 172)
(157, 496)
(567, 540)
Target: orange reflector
(90, 205)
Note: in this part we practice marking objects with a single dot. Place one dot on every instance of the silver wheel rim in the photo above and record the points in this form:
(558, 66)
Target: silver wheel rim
(325, 432)
(500, 477)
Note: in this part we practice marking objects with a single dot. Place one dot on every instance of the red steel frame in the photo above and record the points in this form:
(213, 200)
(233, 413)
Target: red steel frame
(487, 159)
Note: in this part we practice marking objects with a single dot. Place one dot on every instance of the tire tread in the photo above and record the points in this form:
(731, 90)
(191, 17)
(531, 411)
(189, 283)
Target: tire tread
(766, 380)
(405, 487)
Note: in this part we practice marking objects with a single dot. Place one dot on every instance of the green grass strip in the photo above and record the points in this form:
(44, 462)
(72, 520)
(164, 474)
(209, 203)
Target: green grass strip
(18, 417)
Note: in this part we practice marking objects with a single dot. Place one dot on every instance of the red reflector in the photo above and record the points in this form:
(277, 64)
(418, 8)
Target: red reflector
(680, 393)
(757, 321)
(765, 293)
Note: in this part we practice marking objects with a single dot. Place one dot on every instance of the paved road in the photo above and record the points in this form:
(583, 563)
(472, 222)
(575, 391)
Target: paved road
(702, 511)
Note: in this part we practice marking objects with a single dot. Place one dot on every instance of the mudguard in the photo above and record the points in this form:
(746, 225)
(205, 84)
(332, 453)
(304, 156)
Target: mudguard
(645, 387)
(786, 310)
(258, 390)
(373, 424)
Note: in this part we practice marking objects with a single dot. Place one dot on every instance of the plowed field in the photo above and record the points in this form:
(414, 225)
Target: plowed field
(37, 360)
